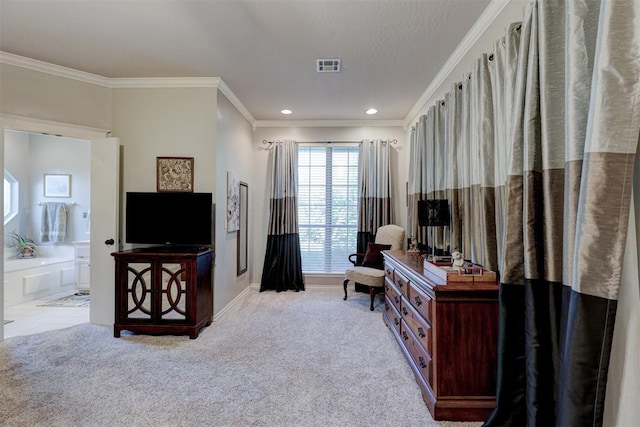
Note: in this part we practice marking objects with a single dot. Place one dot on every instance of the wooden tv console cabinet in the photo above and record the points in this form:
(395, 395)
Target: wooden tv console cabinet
(447, 327)
(163, 290)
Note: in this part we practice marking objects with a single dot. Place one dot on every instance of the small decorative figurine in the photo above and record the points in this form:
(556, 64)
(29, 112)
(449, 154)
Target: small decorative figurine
(458, 259)
(413, 247)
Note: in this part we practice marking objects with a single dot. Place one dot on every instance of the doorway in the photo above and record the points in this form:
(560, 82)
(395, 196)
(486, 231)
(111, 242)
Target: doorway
(40, 293)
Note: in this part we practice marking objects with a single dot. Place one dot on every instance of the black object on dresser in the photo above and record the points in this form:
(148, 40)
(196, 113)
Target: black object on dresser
(163, 290)
(447, 327)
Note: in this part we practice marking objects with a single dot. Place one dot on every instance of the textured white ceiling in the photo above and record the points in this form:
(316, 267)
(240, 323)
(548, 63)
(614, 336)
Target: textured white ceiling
(264, 50)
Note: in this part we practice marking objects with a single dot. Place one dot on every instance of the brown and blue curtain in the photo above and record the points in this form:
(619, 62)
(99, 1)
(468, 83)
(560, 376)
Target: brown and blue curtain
(535, 151)
(282, 269)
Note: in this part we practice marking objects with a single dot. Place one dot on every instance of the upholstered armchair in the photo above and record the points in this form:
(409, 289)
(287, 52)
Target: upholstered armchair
(370, 270)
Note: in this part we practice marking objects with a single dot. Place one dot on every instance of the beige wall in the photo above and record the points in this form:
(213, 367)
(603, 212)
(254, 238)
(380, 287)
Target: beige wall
(319, 134)
(234, 152)
(37, 95)
(152, 122)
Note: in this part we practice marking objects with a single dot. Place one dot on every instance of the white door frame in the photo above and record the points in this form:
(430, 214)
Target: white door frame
(26, 124)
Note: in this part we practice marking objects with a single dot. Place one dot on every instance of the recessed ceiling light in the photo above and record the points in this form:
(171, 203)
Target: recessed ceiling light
(371, 111)
(286, 111)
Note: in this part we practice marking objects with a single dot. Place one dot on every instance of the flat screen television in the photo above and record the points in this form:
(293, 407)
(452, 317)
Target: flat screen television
(171, 219)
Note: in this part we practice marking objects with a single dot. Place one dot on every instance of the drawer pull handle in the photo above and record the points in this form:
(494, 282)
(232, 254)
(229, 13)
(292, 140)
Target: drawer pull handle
(404, 311)
(405, 336)
(396, 321)
(418, 301)
(396, 299)
(421, 361)
(421, 333)
(386, 287)
(399, 283)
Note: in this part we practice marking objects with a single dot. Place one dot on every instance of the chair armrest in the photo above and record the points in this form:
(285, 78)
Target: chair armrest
(355, 261)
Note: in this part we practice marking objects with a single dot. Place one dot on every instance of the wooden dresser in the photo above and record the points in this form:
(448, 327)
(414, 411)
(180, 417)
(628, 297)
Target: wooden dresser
(447, 326)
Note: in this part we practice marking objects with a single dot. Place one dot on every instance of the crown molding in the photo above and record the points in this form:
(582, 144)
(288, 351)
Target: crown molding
(222, 86)
(127, 83)
(55, 70)
(326, 123)
(479, 27)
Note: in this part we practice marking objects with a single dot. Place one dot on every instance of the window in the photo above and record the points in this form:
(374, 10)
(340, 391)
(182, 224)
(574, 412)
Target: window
(327, 207)
(10, 197)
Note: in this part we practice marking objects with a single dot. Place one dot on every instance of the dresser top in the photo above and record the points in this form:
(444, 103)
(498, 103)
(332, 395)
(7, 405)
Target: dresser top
(439, 276)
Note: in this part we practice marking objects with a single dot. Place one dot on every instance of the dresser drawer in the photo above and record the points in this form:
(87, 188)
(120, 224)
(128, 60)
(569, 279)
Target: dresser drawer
(392, 293)
(420, 357)
(401, 282)
(418, 325)
(388, 271)
(421, 302)
(392, 314)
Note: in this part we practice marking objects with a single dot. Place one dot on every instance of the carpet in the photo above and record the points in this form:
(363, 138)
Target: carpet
(75, 300)
(273, 359)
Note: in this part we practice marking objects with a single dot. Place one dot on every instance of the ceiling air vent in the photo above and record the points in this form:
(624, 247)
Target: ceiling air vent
(328, 65)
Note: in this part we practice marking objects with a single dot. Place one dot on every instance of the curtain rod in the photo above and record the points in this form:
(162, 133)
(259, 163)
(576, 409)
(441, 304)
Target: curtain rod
(269, 144)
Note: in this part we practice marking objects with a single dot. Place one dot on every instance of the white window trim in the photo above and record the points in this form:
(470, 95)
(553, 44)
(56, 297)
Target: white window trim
(13, 184)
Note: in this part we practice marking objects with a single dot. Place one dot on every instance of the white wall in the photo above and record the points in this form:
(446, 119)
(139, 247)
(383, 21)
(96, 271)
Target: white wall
(60, 155)
(320, 134)
(16, 155)
(234, 152)
(28, 157)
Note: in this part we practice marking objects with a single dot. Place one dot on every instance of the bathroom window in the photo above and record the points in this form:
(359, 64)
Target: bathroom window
(10, 197)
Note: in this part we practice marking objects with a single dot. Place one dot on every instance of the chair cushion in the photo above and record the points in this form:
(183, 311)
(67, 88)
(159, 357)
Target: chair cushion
(372, 257)
(365, 275)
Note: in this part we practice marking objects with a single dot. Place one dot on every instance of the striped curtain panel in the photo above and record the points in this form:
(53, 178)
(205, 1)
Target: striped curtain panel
(542, 135)
(374, 193)
(417, 184)
(282, 269)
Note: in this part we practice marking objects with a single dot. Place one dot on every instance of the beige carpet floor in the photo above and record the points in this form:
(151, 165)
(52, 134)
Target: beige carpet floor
(274, 359)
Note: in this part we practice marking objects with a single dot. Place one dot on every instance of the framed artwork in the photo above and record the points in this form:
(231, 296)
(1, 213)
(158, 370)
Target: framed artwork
(233, 203)
(57, 185)
(174, 174)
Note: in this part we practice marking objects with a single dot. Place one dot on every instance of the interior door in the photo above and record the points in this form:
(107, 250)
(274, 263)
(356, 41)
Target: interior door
(2, 233)
(105, 166)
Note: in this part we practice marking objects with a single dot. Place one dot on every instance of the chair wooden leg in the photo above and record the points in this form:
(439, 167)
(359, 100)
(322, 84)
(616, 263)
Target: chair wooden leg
(373, 295)
(346, 281)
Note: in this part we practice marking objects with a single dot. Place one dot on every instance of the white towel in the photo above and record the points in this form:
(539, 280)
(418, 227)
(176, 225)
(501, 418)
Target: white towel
(54, 222)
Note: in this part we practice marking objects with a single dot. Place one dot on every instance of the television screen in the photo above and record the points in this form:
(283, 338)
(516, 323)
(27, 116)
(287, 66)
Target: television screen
(169, 218)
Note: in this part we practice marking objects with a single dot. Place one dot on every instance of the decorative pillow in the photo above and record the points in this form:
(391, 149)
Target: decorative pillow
(373, 258)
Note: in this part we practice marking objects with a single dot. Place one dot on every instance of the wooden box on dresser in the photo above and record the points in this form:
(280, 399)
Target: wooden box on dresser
(447, 327)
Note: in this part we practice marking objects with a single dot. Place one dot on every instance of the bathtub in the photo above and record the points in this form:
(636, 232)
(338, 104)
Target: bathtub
(50, 272)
